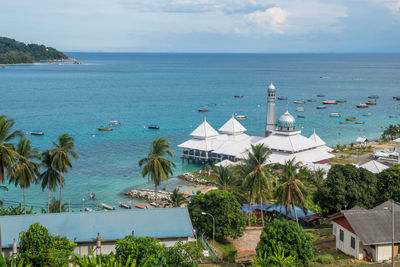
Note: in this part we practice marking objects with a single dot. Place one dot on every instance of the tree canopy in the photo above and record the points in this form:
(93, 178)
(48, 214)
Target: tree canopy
(389, 184)
(345, 187)
(14, 52)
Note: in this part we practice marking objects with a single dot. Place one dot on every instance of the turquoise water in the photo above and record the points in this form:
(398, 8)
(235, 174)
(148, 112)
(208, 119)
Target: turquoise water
(167, 89)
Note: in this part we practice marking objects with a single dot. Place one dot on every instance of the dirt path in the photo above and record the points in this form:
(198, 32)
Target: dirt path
(246, 245)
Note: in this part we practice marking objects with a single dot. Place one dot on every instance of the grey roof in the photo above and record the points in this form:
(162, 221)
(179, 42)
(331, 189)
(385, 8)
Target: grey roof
(112, 225)
(388, 205)
(356, 207)
(374, 226)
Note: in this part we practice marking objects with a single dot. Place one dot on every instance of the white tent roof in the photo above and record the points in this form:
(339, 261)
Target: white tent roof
(314, 137)
(202, 144)
(374, 166)
(290, 143)
(361, 139)
(237, 145)
(226, 163)
(232, 126)
(204, 131)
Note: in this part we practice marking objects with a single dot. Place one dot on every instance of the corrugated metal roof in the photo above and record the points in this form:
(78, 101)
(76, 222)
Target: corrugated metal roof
(112, 225)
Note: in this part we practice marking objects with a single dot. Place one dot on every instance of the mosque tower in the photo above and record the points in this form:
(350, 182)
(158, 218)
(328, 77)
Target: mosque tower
(271, 123)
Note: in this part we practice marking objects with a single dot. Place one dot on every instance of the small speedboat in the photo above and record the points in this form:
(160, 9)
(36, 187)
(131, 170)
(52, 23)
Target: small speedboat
(341, 101)
(351, 119)
(367, 114)
(320, 95)
(334, 114)
(329, 102)
(154, 204)
(361, 105)
(301, 116)
(311, 100)
(300, 109)
(124, 205)
(117, 123)
(92, 195)
(370, 102)
(140, 206)
(282, 98)
(396, 98)
(344, 122)
(241, 117)
(203, 110)
(299, 102)
(373, 96)
(359, 122)
(321, 107)
(153, 126)
(37, 132)
(104, 128)
(211, 104)
(107, 207)
(238, 96)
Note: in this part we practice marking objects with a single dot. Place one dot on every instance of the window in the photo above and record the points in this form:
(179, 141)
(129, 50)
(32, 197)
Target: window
(353, 243)
(341, 235)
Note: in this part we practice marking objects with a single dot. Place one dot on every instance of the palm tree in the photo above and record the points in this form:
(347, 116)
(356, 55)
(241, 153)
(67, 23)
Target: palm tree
(258, 179)
(49, 177)
(177, 198)
(226, 180)
(7, 153)
(61, 153)
(5, 188)
(25, 170)
(291, 190)
(155, 166)
(54, 206)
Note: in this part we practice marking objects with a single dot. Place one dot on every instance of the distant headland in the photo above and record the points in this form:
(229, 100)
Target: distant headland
(14, 52)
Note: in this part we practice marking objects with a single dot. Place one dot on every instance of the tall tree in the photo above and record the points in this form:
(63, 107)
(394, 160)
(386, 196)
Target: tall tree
(49, 177)
(61, 153)
(155, 165)
(8, 155)
(291, 190)
(258, 179)
(25, 170)
(177, 198)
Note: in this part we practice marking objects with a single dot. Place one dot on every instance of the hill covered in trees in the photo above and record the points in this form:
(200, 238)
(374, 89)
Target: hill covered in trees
(14, 52)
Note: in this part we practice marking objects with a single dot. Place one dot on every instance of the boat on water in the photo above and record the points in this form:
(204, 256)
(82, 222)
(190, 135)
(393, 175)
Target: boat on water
(203, 110)
(329, 102)
(361, 105)
(311, 100)
(211, 104)
(321, 95)
(300, 109)
(37, 132)
(238, 96)
(154, 204)
(107, 207)
(241, 117)
(396, 98)
(359, 122)
(321, 107)
(104, 128)
(140, 206)
(117, 123)
(153, 126)
(367, 114)
(344, 122)
(351, 119)
(371, 102)
(299, 102)
(341, 101)
(282, 98)
(301, 116)
(124, 205)
(334, 114)
(88, 209)
(373, 96)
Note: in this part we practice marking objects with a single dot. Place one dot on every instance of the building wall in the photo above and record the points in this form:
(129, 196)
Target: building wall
(345, 245)
(383, 252)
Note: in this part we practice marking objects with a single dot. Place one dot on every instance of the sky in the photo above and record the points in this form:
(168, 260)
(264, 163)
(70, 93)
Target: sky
(267, 26)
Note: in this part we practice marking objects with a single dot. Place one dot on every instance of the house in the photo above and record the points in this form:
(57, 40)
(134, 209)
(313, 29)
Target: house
(166, 224)
(367, 234)
(362, 141)
(373, 166)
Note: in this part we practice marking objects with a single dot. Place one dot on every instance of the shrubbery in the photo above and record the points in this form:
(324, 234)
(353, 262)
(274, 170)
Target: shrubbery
(325, 259)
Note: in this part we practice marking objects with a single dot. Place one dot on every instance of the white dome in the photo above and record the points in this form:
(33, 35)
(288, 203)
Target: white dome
(286, 120)
(271, 86)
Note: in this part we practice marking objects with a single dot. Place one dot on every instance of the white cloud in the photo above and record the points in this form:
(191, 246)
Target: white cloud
(272, 19)
(393, 5)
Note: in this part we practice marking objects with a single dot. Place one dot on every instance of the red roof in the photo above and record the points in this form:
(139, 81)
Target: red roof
(342, 221)
(324, 161)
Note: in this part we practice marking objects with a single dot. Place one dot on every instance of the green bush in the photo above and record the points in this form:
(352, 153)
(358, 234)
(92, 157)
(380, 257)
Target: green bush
(293, 240)
(180, 255)
(325, 259)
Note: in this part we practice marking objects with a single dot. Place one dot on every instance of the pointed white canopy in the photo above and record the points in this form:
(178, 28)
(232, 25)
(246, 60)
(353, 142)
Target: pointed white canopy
(314, 137)
(232, 126)
(374, 166)
(204, 131)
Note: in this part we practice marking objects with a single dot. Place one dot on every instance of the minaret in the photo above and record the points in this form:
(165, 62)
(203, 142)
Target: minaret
(271, 123)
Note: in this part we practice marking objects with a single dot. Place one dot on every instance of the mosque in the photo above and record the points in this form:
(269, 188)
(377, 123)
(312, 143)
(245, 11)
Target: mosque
(230, 143)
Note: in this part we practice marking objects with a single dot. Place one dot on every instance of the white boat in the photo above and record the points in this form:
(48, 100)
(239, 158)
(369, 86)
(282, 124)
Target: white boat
(154, 204)
(88, 209)
(300, 109)
(334, 114)
(107, 207)
(367, 114)
(241, 117)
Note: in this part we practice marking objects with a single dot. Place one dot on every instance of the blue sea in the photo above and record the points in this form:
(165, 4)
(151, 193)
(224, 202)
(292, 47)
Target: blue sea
(167, 89)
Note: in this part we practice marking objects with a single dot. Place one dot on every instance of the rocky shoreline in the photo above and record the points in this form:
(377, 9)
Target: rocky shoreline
(149, 195)
(188, 177)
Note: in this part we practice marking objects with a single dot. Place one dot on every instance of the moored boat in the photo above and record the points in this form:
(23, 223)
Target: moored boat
(140, 206)
(371, 102)
(107, 207)
(311, 100)
(396, 98)
(211, 104)
(241, 117)
(299, 102)
(341, 101)
(203, 110)
(334, 114)
(282, 98)
(104, 128)
(361, 105)
(320, 95)
(88, 209)
(321, 107)
(117, 123)
(154, 204)
(351, 119)
(329, 102)
(300, 109)
(344, 122)
(359, 122)
(238, 96)
(373, 96)
(153, 126)
(301, 116)
(124, 205)
(367, 114)
(37, 132)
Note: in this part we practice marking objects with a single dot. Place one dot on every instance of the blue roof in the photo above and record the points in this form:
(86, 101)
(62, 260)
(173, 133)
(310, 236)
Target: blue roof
(277, 208)
(112, 225)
